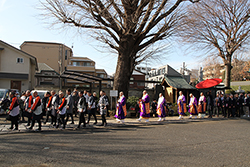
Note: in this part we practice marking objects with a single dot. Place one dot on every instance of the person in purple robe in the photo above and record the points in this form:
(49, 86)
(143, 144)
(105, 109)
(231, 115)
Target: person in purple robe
(202, 105)
(182, 108)
(161, 108)
(144, 107)
(192, 106)
(121, 111)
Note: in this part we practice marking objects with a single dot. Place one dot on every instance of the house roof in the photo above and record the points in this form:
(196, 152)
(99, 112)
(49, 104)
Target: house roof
(177, 82)
(33, 59)
(44, 67)
(137, 72)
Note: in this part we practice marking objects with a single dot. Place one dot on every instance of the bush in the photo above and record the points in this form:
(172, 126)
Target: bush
(131, 101)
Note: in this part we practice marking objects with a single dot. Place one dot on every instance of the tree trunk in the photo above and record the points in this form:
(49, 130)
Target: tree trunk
(125, 66)
(228, 74)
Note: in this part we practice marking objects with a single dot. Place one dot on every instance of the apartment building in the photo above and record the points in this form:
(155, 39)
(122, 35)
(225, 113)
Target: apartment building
(60, 58)
(213, 71)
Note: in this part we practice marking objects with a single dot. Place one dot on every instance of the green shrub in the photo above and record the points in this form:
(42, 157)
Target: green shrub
(131, 101)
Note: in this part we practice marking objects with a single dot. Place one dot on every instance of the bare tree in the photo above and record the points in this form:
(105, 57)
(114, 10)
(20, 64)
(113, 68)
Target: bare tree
(220, 27)
(127, 26)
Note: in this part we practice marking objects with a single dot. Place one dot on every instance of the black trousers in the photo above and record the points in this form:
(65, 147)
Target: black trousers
(21, 113)
(223, 110)
(60, 120)
(38, 119)
(14, 121)
(75, 110)
(216, 111)
(210, 110)
(71, 116)
(81, 119)
(92, 112)
(48, 114)
(28, 115)
(54, 119)
(226, 111)
(103, 119)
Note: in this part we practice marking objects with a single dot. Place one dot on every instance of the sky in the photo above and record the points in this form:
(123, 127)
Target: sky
(22, 21)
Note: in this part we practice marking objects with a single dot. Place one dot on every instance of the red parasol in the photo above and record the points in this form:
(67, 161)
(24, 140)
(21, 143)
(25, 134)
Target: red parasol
(208, 83)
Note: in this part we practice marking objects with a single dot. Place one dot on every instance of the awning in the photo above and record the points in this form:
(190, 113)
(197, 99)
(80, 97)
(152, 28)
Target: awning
(177, 82)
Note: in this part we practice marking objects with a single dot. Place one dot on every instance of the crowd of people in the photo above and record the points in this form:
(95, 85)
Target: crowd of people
(82, 103)
(229, 105)
(58, 107)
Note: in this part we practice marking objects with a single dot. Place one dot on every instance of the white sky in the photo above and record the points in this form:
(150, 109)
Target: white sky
(21, 21)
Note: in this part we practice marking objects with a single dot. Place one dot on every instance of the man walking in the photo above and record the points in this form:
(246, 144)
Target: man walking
(28, 103)
(91, 108)
(69, 107)
(103, 108)
(81, 107)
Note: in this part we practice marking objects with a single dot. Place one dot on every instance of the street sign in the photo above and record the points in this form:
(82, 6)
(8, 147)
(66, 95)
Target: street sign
(113, 93)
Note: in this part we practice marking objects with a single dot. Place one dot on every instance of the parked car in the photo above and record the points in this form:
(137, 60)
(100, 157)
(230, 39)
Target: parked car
(40, 92)
(4, 99)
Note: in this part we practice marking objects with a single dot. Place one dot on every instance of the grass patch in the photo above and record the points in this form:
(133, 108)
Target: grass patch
(246, 88)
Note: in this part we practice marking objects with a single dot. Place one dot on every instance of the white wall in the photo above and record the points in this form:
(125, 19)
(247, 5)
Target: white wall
(9, 61)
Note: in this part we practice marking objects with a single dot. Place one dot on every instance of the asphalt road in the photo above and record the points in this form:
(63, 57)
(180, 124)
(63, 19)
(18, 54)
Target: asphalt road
(208, 143)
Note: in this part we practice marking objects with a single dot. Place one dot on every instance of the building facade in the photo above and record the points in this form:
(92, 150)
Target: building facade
(60, 58)
(137, 75)
(213, 71)
(17, 68)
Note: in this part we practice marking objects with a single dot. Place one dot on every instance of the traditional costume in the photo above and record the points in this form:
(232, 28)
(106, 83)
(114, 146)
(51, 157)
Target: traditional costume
(14, 112)
(193, 106)
(182, 106)
(28, 102)
(144, 108)
(202, 106)
(61, 112)
(121, 111)
(161, 108)
(36, 112)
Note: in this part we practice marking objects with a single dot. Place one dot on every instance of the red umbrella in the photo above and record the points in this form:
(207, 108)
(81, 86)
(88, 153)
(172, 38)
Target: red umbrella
(208, 83)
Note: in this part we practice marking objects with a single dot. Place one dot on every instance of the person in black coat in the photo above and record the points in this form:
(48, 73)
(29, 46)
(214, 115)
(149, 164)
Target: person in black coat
(246, 105)
(232, 106)
(154, 107)
(210, 104)
(227, 102)
(217, 105)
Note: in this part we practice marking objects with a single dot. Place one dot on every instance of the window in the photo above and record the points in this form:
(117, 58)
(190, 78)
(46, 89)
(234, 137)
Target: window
(140, 84)
(19, 60)
(86, 64)
(131, 83)
(100, 75)
(66, 54)
(163, 71)
(76, 63)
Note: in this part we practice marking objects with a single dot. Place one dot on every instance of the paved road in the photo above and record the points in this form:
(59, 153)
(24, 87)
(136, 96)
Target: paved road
(214, 142)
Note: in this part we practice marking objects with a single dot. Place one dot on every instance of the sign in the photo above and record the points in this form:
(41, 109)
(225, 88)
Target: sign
(113, 93)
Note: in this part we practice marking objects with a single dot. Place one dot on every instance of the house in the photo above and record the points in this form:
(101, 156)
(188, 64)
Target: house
(17, 68)
(59, 57)
(158, 74)
(51, 76)
(173, 82)
(137, 75)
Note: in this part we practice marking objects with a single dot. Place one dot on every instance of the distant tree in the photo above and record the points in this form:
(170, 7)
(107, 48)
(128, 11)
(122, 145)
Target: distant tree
(220, 27)
(238, 73)
(129, 27)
